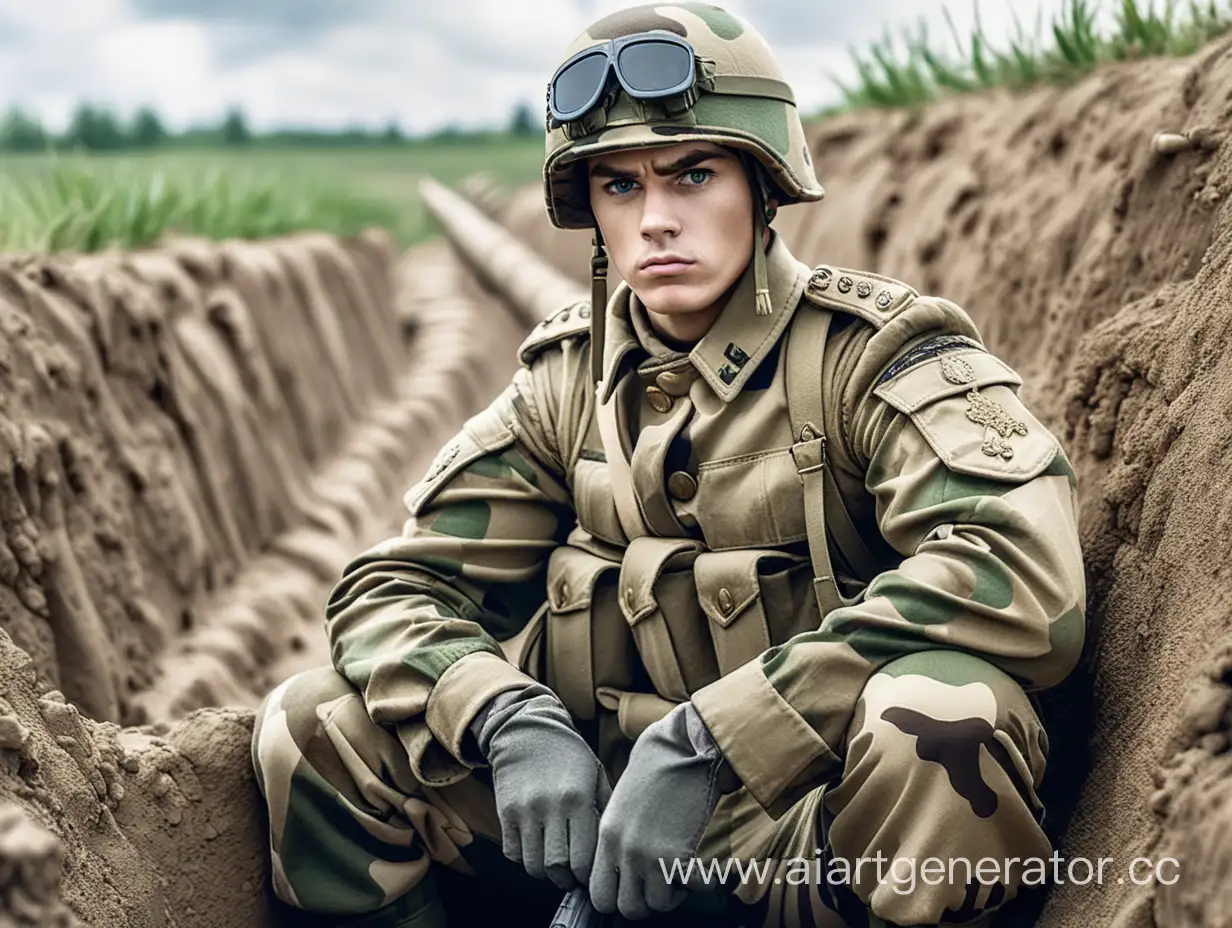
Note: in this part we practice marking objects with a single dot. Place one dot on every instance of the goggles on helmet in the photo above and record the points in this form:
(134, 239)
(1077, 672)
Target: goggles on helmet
(648, 65)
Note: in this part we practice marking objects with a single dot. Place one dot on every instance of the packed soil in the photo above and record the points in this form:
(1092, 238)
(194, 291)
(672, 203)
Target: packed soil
(196, 439)
(1099, 264)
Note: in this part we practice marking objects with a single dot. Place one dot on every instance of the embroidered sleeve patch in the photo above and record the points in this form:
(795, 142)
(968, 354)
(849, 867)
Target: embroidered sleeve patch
(964, 403)
(998, 424)
(927, 349)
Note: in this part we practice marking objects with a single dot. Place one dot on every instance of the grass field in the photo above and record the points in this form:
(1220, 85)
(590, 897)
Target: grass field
(83, 203)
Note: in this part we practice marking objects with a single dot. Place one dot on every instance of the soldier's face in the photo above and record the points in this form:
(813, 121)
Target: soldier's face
(677, 222)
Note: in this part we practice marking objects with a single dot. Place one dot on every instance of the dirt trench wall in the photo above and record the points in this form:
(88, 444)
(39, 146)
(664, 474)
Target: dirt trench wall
(1102, 270)
(161, 413)
(297, 386)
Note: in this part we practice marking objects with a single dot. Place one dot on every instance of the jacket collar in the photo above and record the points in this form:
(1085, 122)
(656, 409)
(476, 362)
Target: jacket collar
(729, 354)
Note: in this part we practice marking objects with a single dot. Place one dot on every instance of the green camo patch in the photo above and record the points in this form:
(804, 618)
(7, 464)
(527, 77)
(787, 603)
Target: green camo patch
(469, 519)
(875, 645)
(432, 660)
(765, 119)
(326, 852)
(502, 466)
(957, 668)
(721, 23)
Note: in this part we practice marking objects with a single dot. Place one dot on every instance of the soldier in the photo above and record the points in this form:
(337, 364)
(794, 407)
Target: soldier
(756, 566)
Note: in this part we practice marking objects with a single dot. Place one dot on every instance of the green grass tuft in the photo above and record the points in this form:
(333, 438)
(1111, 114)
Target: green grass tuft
(914, 72)
(87, 202)
(85, 205)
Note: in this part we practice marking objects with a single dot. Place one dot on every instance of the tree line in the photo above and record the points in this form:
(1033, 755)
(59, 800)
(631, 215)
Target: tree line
(98, 129)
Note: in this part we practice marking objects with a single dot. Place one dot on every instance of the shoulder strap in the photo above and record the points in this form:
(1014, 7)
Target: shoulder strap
(873, 297)
(627, 508)
(823, 502)
(566, 322)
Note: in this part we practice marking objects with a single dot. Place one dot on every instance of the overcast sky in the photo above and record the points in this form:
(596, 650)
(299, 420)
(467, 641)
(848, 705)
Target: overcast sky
(423, 63)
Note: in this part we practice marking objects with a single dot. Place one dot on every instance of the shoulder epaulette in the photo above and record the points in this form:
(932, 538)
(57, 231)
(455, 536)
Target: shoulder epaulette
(872, 297)
(567, 321)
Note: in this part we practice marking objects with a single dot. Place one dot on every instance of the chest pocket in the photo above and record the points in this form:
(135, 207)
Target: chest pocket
(750, 501)
(693, 614)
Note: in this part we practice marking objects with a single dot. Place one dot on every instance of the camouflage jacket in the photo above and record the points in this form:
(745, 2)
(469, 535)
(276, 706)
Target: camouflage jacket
(671, 560)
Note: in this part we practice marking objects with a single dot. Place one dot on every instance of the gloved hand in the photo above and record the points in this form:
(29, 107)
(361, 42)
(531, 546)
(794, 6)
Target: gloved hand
(658, 812)
(550, 788)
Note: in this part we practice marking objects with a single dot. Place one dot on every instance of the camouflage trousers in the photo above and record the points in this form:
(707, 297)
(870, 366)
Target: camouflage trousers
(943, 762)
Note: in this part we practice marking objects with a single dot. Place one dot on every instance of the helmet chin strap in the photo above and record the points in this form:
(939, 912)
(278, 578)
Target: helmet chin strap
(764, 306)
(763, 212)
(598, 305)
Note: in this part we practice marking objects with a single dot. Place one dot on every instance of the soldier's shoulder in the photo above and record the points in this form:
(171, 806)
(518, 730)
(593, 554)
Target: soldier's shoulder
(874, 298)
(867, 303)
(934, 368)
(571, 321)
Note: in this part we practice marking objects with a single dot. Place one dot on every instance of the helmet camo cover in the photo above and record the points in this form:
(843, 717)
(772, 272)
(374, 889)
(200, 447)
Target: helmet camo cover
(735, 113)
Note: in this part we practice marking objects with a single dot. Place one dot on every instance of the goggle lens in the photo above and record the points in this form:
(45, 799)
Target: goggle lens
(647, 67)
(577, 86)
(655, 67)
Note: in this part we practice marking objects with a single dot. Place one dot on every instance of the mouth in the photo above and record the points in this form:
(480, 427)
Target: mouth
(663, 265)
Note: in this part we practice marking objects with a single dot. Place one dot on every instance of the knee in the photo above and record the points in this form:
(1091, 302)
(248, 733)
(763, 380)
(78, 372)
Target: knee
(288, 720)
(947, 707)
(944, 760)
(955, 734)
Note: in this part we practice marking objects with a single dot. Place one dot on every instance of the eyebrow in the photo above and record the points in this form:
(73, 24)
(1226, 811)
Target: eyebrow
(683, 163)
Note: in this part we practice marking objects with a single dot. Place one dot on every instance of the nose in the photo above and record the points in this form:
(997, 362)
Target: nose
(659, 217)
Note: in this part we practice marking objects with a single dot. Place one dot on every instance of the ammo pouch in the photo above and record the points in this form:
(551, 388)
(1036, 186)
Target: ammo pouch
(631, 639)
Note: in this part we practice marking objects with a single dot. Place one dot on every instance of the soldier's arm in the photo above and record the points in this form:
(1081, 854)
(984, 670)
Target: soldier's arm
(986, 524)
(415, 622)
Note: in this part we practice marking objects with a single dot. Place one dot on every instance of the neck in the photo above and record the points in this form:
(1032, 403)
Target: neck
(685, 330)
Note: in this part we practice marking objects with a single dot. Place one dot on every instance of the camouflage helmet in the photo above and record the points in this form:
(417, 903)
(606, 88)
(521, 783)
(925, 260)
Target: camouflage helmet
(740, 101)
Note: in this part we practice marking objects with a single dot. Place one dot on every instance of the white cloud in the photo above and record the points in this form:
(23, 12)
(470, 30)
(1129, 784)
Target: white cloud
(426, 64)
(167, 65)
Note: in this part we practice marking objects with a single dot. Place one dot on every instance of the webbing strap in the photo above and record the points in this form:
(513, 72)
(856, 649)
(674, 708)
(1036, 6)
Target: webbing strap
(571, 661)
(635, 712)
(627, 508)
(823, 502)
(747, 86)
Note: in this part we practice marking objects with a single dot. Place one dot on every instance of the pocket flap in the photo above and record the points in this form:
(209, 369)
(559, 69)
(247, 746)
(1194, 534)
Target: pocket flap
(645, 560)
(572, 576)
(727, 583)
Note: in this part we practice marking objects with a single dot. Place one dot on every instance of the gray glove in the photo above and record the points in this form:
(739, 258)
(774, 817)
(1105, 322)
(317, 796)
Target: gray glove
(657, 813)
(550, 788)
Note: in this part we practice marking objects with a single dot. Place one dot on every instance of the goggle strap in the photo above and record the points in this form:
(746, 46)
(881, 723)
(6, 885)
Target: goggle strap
(738, 85)
(729, 84)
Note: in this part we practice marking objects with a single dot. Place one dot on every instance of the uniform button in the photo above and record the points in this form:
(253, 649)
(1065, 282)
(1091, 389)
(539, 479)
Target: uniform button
(562, 592)
(673, 383)
(682, 485)
(726, 603)
(629, 598)
(659, 400)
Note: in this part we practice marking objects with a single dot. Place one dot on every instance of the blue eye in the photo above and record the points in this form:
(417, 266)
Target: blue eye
(617, 187)
(699, 176)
